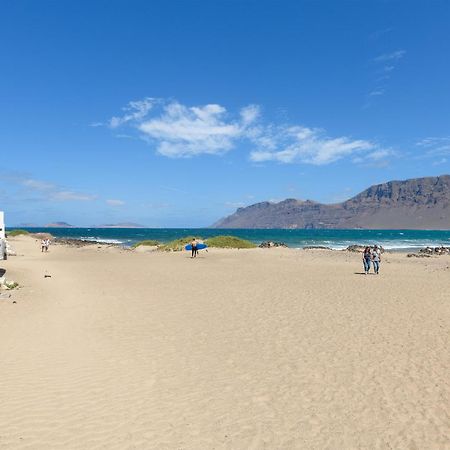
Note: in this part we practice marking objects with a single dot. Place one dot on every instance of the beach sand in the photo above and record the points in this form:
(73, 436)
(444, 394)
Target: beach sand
(238, 349)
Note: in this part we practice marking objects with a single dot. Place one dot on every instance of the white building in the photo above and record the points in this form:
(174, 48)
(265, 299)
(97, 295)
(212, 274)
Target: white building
(2, 225)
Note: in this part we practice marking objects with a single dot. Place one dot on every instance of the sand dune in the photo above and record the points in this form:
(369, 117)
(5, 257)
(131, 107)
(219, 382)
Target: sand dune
(249, 349)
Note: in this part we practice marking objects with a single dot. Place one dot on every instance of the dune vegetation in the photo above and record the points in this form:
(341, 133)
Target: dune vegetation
(178, 244)
(147, 243)
(13, 233)
(229, 242)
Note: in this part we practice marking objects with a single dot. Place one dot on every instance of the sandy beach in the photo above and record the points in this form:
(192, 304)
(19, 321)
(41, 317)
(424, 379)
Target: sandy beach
(237, 349)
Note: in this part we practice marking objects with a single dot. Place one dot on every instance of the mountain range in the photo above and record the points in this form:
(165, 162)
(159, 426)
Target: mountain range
(418, 203)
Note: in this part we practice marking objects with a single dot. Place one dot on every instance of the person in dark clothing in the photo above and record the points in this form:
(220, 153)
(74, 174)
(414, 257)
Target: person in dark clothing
(194, 250)
(367, 257)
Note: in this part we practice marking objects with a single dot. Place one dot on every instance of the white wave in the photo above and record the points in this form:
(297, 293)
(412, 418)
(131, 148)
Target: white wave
(388, 245)
(102, 241)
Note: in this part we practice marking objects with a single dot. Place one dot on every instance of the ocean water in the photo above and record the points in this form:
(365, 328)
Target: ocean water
(400, 240)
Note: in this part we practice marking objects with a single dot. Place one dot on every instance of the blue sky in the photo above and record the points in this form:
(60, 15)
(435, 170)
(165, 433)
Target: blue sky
(174, 113)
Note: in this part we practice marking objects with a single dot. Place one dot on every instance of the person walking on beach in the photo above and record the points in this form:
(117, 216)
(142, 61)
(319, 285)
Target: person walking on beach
(367, 256)
(194, 249)
(47, 244)
(43, 249)
(376, 259)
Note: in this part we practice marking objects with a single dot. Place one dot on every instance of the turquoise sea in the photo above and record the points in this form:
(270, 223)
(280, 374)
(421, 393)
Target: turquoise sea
(336, 239)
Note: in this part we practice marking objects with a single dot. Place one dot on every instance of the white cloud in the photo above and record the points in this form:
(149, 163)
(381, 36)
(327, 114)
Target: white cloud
(250, 114)
(380, 154)
(311, 146)
(393, 56)
(182, 132)
(135, 110)
(179, 131)
(115, 202)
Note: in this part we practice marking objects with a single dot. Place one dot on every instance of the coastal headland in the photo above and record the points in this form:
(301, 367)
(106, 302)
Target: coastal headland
(277, 348)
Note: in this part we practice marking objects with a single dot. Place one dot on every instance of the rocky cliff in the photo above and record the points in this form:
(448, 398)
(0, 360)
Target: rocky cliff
(419, 203)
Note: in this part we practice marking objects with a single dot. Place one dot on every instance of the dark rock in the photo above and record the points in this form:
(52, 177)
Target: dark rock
(81, 243)
(435, 251)
(316, 247)
(355, 248)
(360, 248)
(270, 244)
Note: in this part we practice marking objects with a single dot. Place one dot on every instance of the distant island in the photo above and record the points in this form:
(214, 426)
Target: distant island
(419, 203)
(119, 225)
(58, 225)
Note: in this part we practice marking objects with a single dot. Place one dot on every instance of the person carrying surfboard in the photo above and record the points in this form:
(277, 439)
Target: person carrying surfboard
(194, 250)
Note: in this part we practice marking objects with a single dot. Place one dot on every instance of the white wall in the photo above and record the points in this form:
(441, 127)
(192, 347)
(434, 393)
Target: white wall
(2, 225)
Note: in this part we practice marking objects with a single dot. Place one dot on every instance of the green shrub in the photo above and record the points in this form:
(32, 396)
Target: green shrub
(10, 285)
(13, 233)
(177, 245)
(148, 242)
(229, 242)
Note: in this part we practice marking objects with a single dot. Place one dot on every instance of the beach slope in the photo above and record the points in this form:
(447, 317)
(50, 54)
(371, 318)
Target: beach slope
(237, 349)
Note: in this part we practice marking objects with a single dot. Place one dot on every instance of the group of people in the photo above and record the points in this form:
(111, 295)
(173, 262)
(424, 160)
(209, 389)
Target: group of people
(45, 244)
(372, 255)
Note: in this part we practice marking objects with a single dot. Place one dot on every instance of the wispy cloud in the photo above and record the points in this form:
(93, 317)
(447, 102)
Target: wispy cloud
(435, 147)
(234, 205)
(115, 202)
(378, 158)
(178, 131)
(385, 64)
(310, 146)
(67, 196)
(376, 93)
(393, 56)
(134, 111)
(440, 161)
(53, 192)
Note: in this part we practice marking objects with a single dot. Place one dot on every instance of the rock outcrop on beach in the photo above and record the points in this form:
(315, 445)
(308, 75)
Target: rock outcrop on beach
(271, 244)
(428, 252)
(419, 203)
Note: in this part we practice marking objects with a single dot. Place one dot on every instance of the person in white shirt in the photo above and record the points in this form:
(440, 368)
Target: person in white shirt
(376, 259)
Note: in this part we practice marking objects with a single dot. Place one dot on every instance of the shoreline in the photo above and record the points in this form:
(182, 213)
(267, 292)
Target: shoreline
(80, 241)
